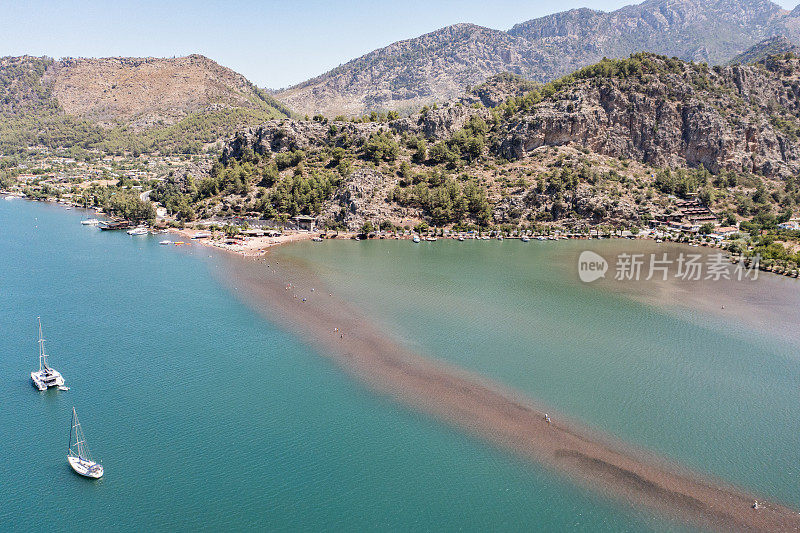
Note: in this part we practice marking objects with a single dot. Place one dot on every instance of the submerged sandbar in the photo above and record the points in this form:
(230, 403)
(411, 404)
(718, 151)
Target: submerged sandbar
(492, 411)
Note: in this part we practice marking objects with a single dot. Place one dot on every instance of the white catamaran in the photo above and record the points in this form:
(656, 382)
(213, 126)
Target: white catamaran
(78, 453)
(46, 376)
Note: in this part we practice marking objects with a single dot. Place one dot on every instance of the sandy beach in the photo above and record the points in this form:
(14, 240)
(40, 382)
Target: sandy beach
(493, 412)
(250, 247)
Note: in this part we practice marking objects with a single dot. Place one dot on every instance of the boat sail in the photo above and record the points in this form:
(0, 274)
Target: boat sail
(46, 376)
(78, 453)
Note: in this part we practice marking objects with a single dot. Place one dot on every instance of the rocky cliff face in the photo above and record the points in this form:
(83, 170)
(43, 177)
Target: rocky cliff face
(284, 135)
(276, 136)
(362, 197)
(739, 118)
(661, 112)
(440, 65)
(497, 89)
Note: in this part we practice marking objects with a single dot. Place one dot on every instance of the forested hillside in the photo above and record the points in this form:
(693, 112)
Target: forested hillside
(619, 142)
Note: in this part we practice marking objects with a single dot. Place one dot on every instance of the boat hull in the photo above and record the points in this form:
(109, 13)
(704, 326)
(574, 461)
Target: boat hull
(85, 468)
(43, 382)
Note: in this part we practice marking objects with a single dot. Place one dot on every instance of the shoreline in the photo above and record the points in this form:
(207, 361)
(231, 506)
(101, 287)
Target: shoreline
(258, 246)
(492, 411)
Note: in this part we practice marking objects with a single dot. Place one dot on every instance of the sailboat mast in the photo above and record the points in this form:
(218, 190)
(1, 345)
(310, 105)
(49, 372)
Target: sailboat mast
(71, 429)
(42, 356)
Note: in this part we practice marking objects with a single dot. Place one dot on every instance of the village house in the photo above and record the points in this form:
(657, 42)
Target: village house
(726, 231)
(304, 222)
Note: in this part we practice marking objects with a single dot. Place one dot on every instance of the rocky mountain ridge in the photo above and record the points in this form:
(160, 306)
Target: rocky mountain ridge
(440, 65)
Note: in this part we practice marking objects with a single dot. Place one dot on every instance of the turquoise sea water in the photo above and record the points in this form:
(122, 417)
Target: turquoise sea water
(207, 416)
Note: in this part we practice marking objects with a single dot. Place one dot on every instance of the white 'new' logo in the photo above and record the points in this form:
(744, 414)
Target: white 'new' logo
(591, 266)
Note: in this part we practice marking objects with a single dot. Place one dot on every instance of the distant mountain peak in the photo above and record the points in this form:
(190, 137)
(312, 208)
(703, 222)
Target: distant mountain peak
(441, 64)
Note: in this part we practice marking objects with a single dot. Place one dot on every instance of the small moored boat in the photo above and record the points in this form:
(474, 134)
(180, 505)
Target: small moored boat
(110, 225)
(140, 230)
(415, 238)
(90, 222)
(78, 452)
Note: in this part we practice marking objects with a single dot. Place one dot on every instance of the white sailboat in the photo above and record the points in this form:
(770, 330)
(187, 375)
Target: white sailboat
(90, 222)
(46, 376)
(78, 453)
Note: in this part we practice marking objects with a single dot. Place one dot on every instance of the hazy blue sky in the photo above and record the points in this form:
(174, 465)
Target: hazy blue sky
(273, 43)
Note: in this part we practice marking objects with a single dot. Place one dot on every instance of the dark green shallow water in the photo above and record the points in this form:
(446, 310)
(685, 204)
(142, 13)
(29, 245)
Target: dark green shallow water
(711, 391)
(206, 416)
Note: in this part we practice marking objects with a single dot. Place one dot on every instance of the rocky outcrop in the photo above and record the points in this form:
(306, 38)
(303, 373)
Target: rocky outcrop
(361, 198)
(740, 118)
(286, 135)
(439, 123)
(497, 89)
(590, 147)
